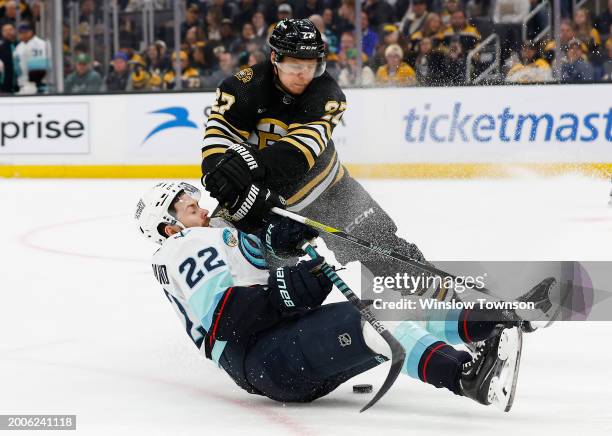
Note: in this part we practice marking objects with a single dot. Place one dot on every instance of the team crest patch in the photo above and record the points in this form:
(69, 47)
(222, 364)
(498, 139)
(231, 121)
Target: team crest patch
(229, 238)
(245, 75)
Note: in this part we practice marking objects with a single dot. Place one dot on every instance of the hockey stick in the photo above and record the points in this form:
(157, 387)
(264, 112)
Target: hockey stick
(398, 355)
(376, 248)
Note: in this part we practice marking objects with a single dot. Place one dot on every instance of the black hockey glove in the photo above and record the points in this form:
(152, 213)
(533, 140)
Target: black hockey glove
(300, 286)
(252, 207)
(283, 236)
(238, 169)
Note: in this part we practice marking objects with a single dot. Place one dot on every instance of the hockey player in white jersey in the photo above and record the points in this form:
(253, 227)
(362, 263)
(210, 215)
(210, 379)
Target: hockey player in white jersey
(269, 330)
(32, 60)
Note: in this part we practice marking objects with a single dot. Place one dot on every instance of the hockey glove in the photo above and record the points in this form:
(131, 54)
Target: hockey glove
(252, 207)
(237, 170)
(283, 236)
(300, 286)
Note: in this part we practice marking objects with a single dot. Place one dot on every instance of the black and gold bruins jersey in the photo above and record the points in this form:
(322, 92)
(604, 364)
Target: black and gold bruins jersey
(293, 133)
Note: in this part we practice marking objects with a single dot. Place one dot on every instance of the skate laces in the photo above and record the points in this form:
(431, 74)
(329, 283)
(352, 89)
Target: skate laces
(477, 355)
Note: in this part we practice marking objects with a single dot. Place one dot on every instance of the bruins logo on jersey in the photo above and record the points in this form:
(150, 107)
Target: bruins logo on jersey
(245, 75)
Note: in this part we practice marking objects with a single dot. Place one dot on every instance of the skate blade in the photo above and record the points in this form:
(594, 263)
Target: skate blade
(502, 388)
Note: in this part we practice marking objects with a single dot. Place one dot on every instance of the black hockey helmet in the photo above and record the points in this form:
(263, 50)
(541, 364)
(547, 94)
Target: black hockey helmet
(298, 39)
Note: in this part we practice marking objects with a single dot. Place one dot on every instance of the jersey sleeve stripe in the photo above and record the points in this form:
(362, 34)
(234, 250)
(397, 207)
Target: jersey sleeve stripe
(215, 125)
(308, 153)
(312, 133)
(326, 125)
(229, 125)
(310, 143)
(211, 151)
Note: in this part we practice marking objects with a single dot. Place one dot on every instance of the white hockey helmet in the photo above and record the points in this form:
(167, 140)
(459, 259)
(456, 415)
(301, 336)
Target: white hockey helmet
(152, 208)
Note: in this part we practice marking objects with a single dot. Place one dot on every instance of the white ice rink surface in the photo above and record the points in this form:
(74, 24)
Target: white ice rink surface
(85, 329)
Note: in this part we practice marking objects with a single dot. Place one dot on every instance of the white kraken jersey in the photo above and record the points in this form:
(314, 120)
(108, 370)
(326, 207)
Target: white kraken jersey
(33, 55)
(196, 267)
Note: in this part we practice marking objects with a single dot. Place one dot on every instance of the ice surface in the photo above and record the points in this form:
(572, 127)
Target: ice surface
(85, 329)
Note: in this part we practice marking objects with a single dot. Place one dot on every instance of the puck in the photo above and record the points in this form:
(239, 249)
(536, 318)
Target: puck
(362, 389)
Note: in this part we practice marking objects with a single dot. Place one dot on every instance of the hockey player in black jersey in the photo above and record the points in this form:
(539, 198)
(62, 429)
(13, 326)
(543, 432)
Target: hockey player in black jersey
(268, 142)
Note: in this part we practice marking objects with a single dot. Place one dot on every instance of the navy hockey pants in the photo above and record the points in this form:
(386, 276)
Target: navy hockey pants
(309, 357)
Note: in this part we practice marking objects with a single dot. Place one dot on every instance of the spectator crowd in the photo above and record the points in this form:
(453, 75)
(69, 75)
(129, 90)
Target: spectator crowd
(404, 43)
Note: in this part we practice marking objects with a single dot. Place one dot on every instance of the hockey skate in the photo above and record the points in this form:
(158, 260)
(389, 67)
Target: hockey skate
(491, 376)
(546, 311)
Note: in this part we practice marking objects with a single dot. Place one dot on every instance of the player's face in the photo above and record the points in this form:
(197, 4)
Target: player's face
(296, 74)
(189, 212)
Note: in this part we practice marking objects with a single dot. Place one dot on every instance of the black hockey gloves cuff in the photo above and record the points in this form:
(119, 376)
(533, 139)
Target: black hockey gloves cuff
(238, 169)
(283, 236)
(300, 286)
(251, 208)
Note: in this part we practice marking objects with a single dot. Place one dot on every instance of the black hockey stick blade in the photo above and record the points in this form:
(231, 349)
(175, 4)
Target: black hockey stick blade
(398, 356)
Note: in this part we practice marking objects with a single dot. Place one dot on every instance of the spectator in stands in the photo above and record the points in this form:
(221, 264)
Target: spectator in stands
(346, 17)
(348, 73)
(228, 10)
(246, 10)
(32, 60)
(429, 64)
(260, 25)
(379, 12)
(532, 68)
(8, 78)
(603, 23)
(193, 35)
(307, 8)
(415, 18)
(225, 69)
(508, 16)
(576, 68)
(192, 19)
(566, 34)
(468, 35)
(247, 37)
(284, 11)
(607, 64)
(256, 57)
(140, 79)
(330, 38)
(190, 78)
(431, 29)
(84, 79)
(455, 65)
(391, 35)
(347, 42)
(369, 38)
(117, 79)
(395, 72)
(585, 32)
(199, 59)
(450, 6)
(156, 60)
(8, 12)
(214, 16)
(228, 38)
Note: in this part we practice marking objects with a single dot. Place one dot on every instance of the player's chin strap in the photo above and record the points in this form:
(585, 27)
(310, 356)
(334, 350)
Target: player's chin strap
(375, 248)
(398, 355)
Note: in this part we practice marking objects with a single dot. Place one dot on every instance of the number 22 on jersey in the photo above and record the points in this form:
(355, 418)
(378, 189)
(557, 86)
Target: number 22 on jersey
(195, 273)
